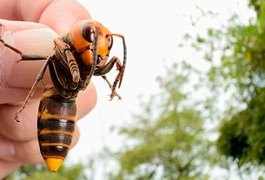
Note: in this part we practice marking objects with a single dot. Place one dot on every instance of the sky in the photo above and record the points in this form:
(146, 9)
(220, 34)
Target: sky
(153, 29)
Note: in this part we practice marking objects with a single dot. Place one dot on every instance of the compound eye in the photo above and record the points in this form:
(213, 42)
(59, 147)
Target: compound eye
(110, 42)
(88, 33)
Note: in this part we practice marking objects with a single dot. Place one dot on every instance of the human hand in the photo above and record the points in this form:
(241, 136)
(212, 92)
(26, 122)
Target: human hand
(18, 141)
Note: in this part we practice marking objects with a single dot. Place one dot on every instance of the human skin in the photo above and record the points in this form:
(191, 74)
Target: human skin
(30, 26)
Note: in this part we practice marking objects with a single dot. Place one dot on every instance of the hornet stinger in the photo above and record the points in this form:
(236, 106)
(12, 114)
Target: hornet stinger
(79, 55)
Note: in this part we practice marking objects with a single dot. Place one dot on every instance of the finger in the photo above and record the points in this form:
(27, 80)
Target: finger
(7, 167)
(25, 151)
(31, 41)
(17, 78)
(7, 150)
(60, 15)
(20, 25)
(27, 128)
(19, 131)
(29, 152)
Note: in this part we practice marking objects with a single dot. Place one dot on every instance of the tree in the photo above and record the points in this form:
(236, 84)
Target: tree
(242, 134)
(168, 138)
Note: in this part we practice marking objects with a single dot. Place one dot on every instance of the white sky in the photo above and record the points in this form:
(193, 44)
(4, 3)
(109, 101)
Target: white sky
(152, 29)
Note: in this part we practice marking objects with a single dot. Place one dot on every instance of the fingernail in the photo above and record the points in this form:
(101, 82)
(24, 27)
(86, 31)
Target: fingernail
(35, 41)
(29, 42)
(7, 149)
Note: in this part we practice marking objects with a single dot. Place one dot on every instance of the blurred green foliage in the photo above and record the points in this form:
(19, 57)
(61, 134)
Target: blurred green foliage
(242, 134)
(40, 172)
(168, 138)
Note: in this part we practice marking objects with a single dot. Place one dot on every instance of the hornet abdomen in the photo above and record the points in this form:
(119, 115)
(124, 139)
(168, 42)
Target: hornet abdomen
(56, 125)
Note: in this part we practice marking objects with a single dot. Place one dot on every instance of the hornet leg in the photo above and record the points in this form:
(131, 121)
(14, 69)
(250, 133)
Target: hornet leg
(23, 56)
(106, 68)
(114, 93)
(33, 88)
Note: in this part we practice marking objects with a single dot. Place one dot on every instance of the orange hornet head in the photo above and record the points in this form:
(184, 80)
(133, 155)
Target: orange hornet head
(83, 36)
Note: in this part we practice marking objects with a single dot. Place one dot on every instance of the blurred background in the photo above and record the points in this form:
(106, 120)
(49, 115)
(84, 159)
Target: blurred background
(193, 102)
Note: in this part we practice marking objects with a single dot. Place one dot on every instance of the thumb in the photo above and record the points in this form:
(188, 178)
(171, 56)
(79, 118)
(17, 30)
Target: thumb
(17, 77)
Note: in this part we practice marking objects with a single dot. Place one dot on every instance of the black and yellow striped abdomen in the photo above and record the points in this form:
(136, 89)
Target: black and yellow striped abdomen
(56, 124)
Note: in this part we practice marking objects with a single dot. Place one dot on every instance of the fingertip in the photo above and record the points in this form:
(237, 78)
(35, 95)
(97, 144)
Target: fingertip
(62, 21)
(38, 41)
(30, 41)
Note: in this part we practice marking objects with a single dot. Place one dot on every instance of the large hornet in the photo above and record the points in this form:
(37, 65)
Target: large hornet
(79, 55)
